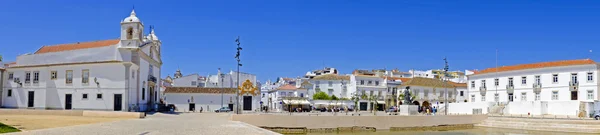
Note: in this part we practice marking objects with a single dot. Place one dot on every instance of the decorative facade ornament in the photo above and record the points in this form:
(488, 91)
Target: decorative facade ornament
(248, 88)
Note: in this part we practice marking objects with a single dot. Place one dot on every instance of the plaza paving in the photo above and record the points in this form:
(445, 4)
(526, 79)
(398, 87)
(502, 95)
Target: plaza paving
(159, 124)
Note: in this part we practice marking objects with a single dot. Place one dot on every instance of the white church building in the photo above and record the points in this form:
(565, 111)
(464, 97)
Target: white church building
(116, 74)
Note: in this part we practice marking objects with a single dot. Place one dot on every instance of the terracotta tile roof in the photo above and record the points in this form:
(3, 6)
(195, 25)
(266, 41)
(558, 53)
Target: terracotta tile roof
(537, 65)
(332, 77)
(288, 87)
(200, 90)
(304, 83)
(427, 82)
(458, 84)
(76, 46)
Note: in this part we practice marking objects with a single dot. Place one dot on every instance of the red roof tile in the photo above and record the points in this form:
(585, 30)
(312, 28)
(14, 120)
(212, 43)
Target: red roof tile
(537, 65)
(76, 46)
(287, 87)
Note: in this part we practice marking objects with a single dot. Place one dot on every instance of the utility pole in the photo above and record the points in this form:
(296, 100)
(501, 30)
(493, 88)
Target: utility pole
(221, 77)
(446, 85)
(237, 57)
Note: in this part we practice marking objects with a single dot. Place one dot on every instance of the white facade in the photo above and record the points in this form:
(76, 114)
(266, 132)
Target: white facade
(369, 85)
(523, 82)
(276, 98)
(187, 81)
(229, 80)
(119, 75)
(324, 71)
(549, 88)
(208, 99)
(339, 88)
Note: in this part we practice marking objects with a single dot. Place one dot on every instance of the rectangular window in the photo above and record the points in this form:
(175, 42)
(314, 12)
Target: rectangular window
(555, 78)
(370, 82)
(510, 82)
(362, 82)
(27, 77)
(317, 83)
(377, 83)
(554, 95)
(497, 82)
(36, 76)
(98, 96)
(426, 93)
(472, 84)
(69, 77)
(330, 83)
(496, 97)
(461, 93)
(11, 75)
(590, 95)
(143, 93)
(472, 98)
(330, 92)
(193, 83)
(282, 94)
(524, 96)
(537, 79)
(482, 98)
(85, 76)
(9, 93)
(524, 80)
(574, 77)
(483, 83)
(85, 96)
(53, 75)
(537, 96)
(590, 76)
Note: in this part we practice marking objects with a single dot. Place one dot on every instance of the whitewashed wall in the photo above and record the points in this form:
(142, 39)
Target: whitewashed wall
(467, 108)
(564, 77)
(208, 102)
(49, 94)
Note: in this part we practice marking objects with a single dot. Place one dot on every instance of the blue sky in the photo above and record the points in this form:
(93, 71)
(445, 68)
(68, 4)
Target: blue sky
(291, 37)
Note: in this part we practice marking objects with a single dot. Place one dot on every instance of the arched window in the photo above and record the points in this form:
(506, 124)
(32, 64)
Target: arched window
(129, 33)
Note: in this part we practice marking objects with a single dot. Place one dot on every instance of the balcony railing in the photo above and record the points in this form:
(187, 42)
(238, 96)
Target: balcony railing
(537, 87)
(573, 85)
(151, 78)
(482, 90)
(510, 88)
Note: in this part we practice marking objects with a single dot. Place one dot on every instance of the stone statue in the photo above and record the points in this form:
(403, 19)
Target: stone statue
(407, 96)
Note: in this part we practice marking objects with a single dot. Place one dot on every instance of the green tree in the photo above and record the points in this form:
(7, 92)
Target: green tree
(333, 97)
(321, 96)
(356, 97)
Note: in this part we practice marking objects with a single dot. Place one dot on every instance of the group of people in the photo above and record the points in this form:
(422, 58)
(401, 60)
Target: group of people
(430, 110)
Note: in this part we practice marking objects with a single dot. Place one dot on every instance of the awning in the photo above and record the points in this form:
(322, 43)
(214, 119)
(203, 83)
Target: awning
(332, 103)
(380, 102)
(296, 102)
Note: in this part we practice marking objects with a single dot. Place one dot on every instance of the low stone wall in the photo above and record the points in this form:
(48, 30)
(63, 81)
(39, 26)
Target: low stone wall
(108, 114)
(375, 122)
(560, 125)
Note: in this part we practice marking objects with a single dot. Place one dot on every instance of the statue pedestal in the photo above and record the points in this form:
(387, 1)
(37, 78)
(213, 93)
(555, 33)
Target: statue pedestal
(408, 109)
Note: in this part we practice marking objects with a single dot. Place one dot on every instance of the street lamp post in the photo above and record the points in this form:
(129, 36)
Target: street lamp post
(446, 87)
(237, 57)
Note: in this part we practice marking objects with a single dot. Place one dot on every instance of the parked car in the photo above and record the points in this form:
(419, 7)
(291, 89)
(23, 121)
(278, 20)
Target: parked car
(222, 109)
(597, 116)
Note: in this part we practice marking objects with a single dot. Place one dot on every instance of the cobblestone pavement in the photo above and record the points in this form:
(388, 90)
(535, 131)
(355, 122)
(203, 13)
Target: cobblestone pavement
(161, 124)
